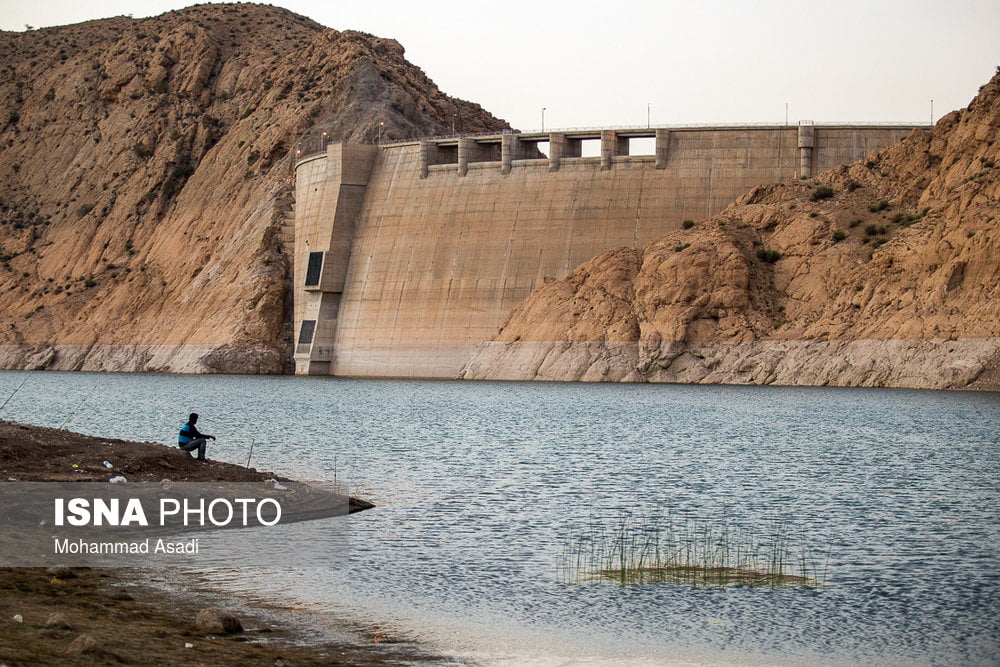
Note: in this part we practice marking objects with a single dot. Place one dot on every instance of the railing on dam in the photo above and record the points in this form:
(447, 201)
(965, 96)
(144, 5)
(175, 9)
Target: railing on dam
(318, 137)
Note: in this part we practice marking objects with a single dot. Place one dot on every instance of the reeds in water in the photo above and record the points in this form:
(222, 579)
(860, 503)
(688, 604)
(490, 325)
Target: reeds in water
(660, 550)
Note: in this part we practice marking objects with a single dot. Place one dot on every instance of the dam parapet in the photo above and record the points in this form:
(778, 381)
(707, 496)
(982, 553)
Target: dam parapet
(828, 141)
(410, 254)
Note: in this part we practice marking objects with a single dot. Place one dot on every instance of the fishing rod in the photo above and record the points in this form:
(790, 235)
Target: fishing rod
(15, 391)
(80, 405)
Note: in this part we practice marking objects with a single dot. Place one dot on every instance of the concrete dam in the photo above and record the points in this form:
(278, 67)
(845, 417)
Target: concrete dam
(408, 255)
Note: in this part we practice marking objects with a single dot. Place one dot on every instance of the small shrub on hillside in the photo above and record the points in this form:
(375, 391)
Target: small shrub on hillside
(178, 177)
(822, 192)
(683, 246)
(687, 224)
(880, 205)
(854, 223)
(769, 256)
(839, 236)
(852, 186)
(905, 219)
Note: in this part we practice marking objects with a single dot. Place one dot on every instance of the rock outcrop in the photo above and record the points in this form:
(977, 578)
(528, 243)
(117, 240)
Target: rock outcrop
(145, 179)
(880, 273)
(215, 621)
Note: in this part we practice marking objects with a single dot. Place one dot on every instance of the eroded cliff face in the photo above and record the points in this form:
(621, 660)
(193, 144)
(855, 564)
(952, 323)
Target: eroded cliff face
(145, 183)
(880, 273)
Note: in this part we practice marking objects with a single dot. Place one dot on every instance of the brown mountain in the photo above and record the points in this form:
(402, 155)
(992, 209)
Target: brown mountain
(885, 272)
(145, 178)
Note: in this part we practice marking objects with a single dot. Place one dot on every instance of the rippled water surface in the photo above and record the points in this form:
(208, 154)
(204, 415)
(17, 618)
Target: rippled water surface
(480, 486)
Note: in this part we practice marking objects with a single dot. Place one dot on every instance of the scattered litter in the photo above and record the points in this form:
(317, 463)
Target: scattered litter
(118, 479)
(188, 645)
(277, 486)
(18, 618)
(107, 464)
(12, 479)
(75, 465)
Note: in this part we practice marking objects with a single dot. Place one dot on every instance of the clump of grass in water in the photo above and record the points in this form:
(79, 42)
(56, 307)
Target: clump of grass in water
(656, 550)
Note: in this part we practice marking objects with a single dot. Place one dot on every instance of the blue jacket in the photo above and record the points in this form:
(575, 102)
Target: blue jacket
(188, 433)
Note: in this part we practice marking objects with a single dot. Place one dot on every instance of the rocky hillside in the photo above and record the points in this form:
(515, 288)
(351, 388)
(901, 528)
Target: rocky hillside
(145, 178)
(885, 272)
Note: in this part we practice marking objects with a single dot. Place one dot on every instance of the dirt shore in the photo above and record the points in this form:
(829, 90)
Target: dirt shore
(134, 623)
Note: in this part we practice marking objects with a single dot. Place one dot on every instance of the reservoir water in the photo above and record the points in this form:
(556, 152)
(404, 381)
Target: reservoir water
(480, 486)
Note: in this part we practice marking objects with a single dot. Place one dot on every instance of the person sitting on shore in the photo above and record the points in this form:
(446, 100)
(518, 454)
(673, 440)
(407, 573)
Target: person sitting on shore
(189, 439)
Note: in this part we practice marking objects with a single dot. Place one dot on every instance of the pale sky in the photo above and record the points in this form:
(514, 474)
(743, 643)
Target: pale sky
(607, 63)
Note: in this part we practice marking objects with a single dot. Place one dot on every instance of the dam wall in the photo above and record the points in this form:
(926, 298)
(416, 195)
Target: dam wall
(409, 255)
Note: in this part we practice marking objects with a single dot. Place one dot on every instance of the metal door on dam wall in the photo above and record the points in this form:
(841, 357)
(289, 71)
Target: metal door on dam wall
(425, 251)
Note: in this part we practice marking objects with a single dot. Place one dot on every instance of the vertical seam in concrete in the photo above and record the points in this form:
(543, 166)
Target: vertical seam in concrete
(638, 212)
(399, 300)
(708, 200)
